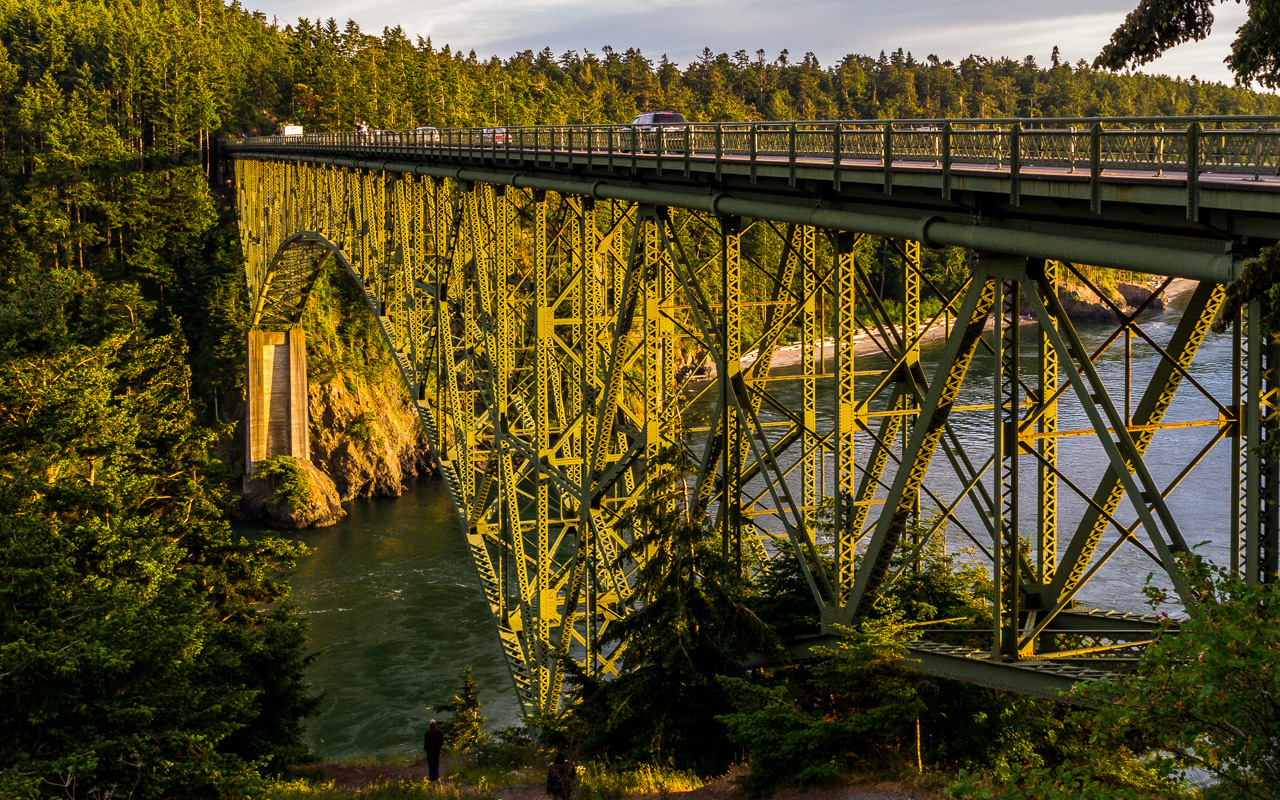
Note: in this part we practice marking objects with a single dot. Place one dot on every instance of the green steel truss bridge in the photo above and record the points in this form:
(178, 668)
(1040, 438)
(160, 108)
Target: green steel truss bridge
(555, 297)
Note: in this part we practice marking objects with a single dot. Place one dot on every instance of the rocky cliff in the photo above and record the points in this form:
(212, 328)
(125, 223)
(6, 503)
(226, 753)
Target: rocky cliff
(365, 436)
(1084, 305)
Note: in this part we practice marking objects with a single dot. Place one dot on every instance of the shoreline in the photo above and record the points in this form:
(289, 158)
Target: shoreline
(789, 356)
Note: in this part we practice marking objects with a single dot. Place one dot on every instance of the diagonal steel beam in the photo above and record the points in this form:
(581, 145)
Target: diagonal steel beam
(901, 502)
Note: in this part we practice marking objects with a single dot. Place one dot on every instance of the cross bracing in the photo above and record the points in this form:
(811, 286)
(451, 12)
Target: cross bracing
(563, 325)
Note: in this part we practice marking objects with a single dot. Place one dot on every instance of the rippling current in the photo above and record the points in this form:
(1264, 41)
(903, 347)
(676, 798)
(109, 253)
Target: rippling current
(396, 611)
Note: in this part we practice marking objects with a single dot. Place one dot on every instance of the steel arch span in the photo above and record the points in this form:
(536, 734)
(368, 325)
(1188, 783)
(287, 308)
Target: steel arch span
(558, 342)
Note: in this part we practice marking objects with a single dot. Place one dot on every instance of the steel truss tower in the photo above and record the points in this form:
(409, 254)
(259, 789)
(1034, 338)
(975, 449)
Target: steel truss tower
(558, 343)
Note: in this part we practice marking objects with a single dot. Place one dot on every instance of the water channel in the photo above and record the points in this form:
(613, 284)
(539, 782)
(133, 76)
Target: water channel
(396, 611)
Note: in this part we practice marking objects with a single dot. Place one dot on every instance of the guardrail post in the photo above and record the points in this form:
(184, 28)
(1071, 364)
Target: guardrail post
(635, 143)
(791, 155)
(1015, 164)
(887, 158)
(659, 145)
(752, 135)
(688, 149)
(1193, 171)
(946, 161)
(1095, 168)
(719, 149)
(835, 158)
(1257, 154)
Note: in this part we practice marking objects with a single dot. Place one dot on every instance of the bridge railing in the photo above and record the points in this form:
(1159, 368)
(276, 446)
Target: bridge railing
(1243, 146)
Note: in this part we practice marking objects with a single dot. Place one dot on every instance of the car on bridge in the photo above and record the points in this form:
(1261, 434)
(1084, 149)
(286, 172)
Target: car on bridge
(660, 120)
(493, 136)
(654, 127)
(426, 134)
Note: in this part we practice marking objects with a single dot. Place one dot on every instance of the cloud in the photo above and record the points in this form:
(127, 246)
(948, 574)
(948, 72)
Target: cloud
(951, 29)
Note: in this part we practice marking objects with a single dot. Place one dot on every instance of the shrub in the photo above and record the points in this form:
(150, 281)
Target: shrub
(292, 487)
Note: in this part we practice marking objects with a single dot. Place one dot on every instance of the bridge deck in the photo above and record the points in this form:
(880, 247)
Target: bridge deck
(1186, 191)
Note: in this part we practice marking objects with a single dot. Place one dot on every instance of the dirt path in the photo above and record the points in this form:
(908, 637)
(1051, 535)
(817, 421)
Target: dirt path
(724, 790)
(357, 778)
(345, 776)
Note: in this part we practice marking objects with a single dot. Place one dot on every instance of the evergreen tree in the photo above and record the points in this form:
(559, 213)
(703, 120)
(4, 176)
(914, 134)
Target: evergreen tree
(689, 624)
(464, 728)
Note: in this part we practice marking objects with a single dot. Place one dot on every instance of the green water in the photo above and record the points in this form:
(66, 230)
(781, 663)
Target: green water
(396, 613)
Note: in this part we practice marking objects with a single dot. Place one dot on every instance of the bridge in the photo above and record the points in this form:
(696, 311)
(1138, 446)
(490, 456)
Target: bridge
(568, 304)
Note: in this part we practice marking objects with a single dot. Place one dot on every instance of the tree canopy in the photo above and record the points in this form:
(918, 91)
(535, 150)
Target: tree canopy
(1158, 25)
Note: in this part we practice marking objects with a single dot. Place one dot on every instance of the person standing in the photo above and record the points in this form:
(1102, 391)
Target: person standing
(561, 777)
(432, 741)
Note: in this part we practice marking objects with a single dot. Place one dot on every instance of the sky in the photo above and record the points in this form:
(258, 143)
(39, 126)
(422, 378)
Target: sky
(680, 29)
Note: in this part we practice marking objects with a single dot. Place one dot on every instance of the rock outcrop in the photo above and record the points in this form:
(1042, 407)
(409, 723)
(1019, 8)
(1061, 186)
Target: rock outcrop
(320, 509)
(1084, 305)
(365, 442)
(367, 437)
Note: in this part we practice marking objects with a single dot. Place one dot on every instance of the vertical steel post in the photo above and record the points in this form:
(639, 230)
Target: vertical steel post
(910, 332)
(809, 338)
(730, 428)
(846, 402)
(1047, 423)
(543, 374)
(1262, 414)
(1007, 541)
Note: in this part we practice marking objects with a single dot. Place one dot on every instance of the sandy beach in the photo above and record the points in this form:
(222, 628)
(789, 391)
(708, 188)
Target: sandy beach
(788, 357)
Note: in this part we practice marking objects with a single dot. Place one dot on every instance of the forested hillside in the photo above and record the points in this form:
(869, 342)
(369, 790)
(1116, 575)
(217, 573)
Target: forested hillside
(144, 649)
(338, 76)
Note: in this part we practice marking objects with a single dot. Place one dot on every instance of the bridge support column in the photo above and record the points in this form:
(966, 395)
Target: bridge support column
(276, 389)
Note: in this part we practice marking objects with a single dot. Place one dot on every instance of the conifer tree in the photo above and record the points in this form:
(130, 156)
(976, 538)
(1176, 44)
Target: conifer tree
(464, 727)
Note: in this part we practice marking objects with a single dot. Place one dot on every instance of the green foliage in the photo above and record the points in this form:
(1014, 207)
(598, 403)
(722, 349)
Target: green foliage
(342, 75)
(688, 625)
(343, 339)
(1199, 699)
(1203, 696)
(871, 710)
(145, 650)
(597, 781)
(858, 707)
(141, 644)
(1158, 25)
(292, 488)
(512, 746)
(464, 727)
(1065, 782)
(936, 585)
(1259, 280)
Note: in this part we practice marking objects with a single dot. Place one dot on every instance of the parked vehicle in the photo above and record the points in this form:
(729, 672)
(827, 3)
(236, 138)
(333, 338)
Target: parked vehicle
(426, 134)
(493, 136)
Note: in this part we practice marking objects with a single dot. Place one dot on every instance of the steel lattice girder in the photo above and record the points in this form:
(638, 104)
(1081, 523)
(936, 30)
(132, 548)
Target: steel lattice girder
(552, 343)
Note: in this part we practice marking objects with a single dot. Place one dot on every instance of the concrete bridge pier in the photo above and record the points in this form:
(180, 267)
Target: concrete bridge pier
(276, 388)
